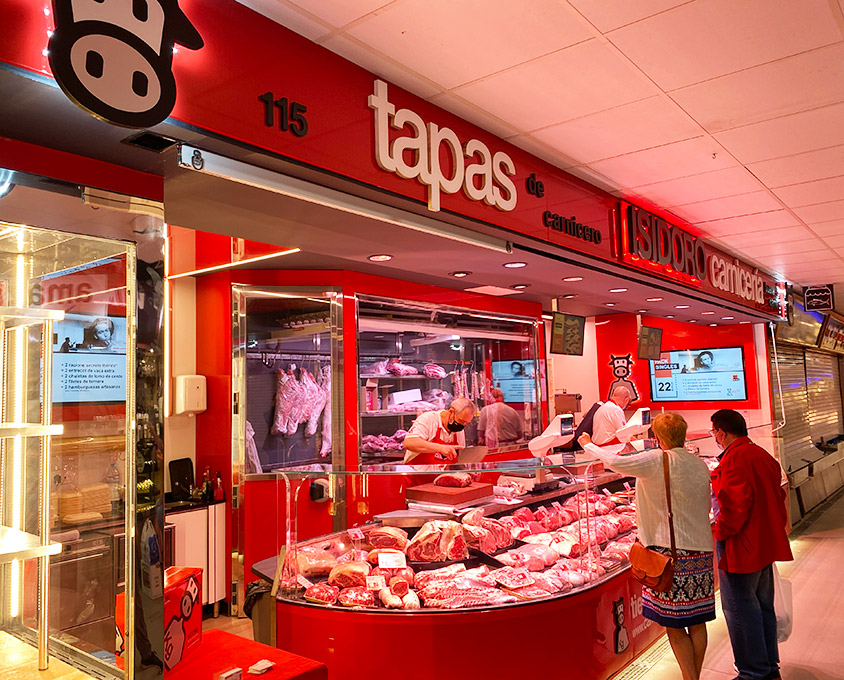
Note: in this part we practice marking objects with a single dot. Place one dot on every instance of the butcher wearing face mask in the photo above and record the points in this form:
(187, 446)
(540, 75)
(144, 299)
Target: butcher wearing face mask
(435, 436)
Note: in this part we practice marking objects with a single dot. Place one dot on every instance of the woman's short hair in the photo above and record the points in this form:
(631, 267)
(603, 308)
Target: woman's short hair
(671, 429)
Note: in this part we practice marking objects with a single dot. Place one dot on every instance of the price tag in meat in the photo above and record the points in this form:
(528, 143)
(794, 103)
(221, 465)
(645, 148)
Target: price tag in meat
(392, 560)
(355, 534)
(375, 582)
(627, 486)
(302, 581)
(606, 492)
(556, 505)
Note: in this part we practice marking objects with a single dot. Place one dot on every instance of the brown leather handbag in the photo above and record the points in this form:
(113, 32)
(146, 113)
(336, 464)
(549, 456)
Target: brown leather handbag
(651, 568)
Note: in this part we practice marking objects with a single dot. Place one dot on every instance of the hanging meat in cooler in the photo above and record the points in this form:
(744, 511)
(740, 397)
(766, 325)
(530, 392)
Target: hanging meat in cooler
(284, 405)
(317, 398)
(434, 371)
(325, 384)
(397, 368)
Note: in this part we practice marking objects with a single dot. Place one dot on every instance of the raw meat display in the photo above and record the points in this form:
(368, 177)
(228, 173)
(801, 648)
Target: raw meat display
(389, 600)
(399, 586)
(397, 368)
(353, 556)
(455, 479)
(500, 533)
(438, 541)
(410, 601)
(434, 371)
(325, 384)
(480, 538)
(349, 575)
(322, 593)
(285, 406)
(426, 577)
(403, 573)
(524, 514)
(356, 597)
(511, 577)
(413, 407)
(312, 564)
(253, 462)
(439, 398)
(372, 443)
(316, 398)
(388, 537)
(376, 369)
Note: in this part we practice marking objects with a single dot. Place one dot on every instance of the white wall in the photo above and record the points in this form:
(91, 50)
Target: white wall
(574, 374)
(180, 431)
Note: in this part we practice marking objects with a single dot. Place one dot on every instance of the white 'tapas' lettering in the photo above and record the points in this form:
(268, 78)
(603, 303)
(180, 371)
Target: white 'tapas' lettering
(419, 155)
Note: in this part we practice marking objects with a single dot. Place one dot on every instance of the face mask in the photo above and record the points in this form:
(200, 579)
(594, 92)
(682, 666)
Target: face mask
(717, 443)
(455, 426)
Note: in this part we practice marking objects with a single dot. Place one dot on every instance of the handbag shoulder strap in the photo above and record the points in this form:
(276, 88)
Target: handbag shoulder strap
(668, 498)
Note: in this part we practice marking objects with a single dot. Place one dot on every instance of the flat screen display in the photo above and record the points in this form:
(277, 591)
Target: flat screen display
(516, 380)
(567, 332)
(89, 359)
(806, 328)
(650, 343)
(713, 374)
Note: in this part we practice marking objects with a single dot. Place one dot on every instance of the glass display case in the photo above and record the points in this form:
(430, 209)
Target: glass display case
(415, 357)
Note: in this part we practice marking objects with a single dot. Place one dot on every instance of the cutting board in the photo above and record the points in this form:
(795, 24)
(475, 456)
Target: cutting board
(449, 495)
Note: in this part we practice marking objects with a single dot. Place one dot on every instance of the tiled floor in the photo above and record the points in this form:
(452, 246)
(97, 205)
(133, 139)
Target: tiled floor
(20, 662)
(815, 650)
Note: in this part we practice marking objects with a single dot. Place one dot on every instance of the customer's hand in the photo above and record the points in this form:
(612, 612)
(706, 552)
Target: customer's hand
(584, 439)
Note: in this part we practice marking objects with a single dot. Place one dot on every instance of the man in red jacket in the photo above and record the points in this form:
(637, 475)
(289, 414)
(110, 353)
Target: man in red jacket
(750, 533)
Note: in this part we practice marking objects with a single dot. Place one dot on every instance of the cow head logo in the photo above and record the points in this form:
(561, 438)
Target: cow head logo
(113, 57)
(621, 365)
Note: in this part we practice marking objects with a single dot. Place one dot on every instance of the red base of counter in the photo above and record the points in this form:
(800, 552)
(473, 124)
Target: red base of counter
(585, 636)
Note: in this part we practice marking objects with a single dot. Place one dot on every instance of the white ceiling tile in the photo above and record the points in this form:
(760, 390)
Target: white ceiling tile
(780, 88)
(803, 167)
(821, 212)
(540, 150)
(457, 42)
(787, 135)
(784, 235)
(607, 15)
(289, 17)
(340, 12)
(710, 38)
(717, 184)
(767, 251)
(732, 206)
(777, 219)
(680, 159)
(639, 125)
(835, 241)
(832, 228)
(468, 111)
(815, 258)
(533, 95)
(808, 193)
(381, 66)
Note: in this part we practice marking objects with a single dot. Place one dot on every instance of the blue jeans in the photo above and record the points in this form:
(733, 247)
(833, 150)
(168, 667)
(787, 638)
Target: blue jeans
(748, 604)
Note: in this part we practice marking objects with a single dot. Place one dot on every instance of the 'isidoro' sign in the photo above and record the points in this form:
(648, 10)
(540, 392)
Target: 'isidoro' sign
(649, 242)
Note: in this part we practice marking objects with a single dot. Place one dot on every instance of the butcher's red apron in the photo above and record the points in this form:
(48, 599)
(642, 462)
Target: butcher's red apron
(428, 459)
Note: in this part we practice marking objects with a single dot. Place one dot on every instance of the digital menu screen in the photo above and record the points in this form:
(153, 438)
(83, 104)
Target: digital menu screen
(714, 374)
(516, 380)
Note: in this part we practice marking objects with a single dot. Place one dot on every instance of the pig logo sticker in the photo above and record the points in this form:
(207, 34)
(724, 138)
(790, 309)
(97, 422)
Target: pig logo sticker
(113, 58)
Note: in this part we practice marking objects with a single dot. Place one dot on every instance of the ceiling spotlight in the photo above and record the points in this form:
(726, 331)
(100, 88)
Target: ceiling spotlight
(692, 320)
(515, 265)
(572, 279)
(618, 290)
(653, 300)
(380, 258)
(519, 286)
(727, 318)
(707, 313)
(568, 296)
(610, 304)
(713, 324)
(459, 275)
(548, 317)
(641, 311)
(669, 316)
(681, 306)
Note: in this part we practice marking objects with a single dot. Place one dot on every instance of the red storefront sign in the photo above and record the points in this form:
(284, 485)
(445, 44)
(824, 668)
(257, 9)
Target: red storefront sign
(650, 243)
(833, 335)
(263, 85)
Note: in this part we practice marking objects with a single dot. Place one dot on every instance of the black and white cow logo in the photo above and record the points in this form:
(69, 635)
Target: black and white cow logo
(114, 57)
(621, 366)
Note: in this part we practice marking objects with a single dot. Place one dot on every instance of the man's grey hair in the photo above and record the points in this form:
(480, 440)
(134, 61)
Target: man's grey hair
(462, 404)
(621, 391)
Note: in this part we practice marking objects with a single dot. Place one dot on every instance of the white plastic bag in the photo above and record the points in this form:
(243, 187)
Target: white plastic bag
(782, 606)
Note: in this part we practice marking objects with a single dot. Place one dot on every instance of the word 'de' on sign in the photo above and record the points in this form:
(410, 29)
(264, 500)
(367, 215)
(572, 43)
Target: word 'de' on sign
(819, 298)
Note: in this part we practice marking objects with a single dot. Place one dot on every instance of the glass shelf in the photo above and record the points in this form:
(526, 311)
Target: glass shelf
(27, 316)
(19, 545)
(8, 430)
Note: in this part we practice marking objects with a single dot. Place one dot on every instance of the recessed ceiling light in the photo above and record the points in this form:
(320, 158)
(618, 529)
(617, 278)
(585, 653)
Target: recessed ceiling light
(618, 290)
(568, 296)
(681, 306)
(383, 257)
(641, 311)
(727, 318)
(515, 265)
(549, 317)
(669, 316)
(707, 313)
(572, 279)
(610, 304)
(744, 321)
(692, 320)
(459, 275)
(713, 324)
(519, 286)
(653, 300)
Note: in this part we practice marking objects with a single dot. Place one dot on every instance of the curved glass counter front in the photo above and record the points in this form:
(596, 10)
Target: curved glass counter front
(518, 532)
